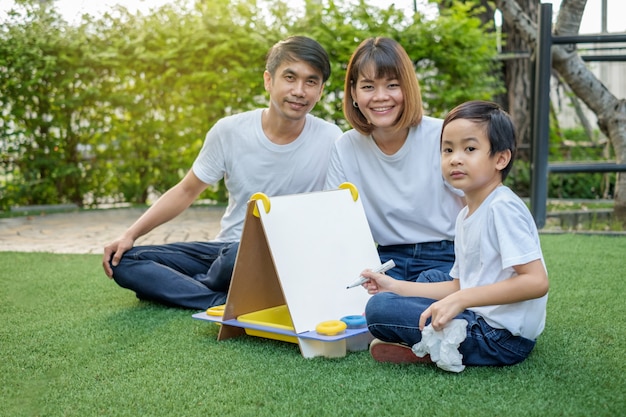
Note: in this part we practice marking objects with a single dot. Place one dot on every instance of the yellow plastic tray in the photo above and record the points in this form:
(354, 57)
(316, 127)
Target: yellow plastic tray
(277, 317)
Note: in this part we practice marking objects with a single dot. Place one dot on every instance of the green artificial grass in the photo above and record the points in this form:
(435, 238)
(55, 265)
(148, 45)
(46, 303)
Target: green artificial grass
(75, 344)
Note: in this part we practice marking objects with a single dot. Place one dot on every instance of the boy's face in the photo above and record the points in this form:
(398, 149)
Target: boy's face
(466, 162)
(294, 89)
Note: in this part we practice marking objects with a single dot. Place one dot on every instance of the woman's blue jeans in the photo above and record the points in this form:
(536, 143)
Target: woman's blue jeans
(393, 318)
(412, 260)
(193, 275)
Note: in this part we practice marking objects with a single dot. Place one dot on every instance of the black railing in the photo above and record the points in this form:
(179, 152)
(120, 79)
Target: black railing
(540, 168)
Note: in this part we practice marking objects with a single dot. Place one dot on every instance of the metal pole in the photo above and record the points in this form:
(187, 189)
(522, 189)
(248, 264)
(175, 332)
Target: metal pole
(604, 17)
(541, 116)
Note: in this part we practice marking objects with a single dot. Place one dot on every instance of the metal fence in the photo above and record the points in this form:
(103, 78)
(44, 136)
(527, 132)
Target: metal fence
(540, 167)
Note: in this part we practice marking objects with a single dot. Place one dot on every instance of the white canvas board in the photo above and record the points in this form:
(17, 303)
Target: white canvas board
(320, 242)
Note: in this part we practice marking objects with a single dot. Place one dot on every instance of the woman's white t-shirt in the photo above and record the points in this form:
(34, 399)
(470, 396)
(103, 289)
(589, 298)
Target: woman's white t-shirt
(405, 197)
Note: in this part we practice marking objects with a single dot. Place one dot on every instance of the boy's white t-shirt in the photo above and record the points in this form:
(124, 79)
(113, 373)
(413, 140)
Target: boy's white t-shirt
(404, 195)
(500, 234)
(237, 149)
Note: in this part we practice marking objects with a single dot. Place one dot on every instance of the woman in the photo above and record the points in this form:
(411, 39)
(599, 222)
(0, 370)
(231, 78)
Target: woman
(392, 156)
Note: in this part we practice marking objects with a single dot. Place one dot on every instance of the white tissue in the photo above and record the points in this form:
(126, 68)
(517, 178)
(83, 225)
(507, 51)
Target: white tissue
(443, 345)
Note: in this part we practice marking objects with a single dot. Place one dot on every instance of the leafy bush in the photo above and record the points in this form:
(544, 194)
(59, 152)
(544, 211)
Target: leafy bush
(118, 107)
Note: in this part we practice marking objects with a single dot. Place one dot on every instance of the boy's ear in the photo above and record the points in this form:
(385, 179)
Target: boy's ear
(503, 159)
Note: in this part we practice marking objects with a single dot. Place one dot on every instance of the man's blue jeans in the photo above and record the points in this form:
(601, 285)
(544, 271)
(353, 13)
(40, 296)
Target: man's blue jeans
(188, 274)
(393, 318)
(412, 260)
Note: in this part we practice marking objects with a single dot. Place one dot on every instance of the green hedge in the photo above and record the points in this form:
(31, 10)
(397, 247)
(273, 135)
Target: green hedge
(116, 108)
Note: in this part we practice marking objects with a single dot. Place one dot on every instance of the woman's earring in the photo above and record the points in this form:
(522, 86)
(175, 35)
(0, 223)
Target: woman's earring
(355, 104)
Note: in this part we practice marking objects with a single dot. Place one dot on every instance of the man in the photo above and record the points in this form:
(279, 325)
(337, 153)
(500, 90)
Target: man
(281, 149)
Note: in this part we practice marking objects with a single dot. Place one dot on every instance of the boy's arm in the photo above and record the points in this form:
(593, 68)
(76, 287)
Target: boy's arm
(384, 283)
(530, 282)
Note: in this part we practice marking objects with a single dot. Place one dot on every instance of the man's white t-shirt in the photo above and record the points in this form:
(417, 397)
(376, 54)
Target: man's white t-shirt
(237, 149)
(500, 234)
(404, 195)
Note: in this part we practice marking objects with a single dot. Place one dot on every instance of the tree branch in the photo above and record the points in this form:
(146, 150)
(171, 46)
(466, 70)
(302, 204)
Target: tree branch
(565, 59)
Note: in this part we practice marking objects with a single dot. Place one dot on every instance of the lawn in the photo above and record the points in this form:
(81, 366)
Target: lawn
(72, 343)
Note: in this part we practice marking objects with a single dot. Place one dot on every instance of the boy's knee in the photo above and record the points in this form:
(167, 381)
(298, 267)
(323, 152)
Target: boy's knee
(378, 305)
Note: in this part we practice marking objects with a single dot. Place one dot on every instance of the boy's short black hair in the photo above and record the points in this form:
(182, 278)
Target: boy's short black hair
(498, 125)
(298, 48)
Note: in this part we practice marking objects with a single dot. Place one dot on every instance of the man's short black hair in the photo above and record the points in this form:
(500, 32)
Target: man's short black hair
(298, 48)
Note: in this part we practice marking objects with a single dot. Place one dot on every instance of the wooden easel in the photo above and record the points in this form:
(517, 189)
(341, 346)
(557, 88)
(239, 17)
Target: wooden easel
(301, 251)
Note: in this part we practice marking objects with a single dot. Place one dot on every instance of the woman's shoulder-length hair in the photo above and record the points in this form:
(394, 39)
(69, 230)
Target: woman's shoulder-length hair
(384, 58)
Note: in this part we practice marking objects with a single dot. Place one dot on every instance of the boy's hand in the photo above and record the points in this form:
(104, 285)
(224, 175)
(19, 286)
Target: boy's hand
(441, 312)
(377, 282)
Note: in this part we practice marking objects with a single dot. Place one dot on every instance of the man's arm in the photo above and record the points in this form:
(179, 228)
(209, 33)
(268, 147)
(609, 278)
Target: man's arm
(335, 174)
(167, 207)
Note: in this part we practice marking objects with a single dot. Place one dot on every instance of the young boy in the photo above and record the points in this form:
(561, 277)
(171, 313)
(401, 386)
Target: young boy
(499, 281)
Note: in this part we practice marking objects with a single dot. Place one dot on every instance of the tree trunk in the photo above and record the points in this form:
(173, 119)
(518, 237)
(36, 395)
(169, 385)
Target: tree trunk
(518, 77)
(610, 110)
